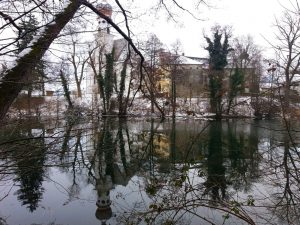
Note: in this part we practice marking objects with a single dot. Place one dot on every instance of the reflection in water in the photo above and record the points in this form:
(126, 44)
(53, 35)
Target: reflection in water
(29, 173)
(104, 172)
(215, 183)
(288, 199)
(27, 161)
(148, 172)
(109, 163)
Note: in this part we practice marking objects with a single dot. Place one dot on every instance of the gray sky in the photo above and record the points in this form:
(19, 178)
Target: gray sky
(254, 17)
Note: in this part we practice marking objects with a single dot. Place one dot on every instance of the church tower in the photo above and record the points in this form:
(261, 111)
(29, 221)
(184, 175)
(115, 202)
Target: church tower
(102, 45)
(105, 9)
(104, 38)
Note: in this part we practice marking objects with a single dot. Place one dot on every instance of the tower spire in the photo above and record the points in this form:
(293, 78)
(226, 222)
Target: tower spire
(106, 9)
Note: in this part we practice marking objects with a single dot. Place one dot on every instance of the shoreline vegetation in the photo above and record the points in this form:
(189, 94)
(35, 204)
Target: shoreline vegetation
(194, 108)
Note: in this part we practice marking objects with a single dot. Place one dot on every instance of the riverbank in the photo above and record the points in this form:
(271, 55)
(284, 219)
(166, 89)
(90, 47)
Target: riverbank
(197, 108)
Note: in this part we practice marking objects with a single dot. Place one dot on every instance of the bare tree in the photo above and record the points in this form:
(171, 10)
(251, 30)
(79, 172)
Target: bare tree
(15, 78)
(247, 59)
(96, 62)
(287, 48)
(153, 47)
(78, 61)
(51, 24)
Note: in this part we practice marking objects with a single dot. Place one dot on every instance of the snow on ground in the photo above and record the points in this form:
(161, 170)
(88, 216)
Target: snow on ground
(197, 108)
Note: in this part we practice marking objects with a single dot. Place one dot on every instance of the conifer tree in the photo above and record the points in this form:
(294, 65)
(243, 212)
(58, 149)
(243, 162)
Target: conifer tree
(29, 31)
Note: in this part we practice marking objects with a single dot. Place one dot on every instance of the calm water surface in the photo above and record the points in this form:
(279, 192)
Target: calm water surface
(144, 171)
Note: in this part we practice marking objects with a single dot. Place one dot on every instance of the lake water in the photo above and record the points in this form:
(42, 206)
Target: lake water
(144, 171)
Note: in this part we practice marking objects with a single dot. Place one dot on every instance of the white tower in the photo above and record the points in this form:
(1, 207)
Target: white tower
(105, 9)
(103, 44)
(104, 38)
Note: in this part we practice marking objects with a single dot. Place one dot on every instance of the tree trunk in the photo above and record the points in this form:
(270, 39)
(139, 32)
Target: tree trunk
(15, 79)
(79, 93)
(286, 99)
(66, 89)
(122, 109)
(29, 95)
(173, 96)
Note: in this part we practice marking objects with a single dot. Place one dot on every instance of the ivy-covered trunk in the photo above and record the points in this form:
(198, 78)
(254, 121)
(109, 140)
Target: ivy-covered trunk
(108, 81)
(218, 51)
(216, 92)
(121, 100)
(236, 82)
(66, 89)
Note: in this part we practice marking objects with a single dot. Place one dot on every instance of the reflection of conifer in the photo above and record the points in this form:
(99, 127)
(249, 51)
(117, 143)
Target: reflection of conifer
(29, 172)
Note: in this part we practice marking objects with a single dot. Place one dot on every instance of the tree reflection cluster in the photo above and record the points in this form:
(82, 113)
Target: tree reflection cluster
(211, 172)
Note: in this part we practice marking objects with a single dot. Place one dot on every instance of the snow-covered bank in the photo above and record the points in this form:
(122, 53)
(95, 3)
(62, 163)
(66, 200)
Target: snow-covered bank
(197, 108)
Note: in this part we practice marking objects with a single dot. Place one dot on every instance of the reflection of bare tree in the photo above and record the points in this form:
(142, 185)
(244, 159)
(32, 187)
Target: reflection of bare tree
(183, 195)
(243, 156)
(67, 137)
(287, 181)
(224, 165)
(74, 189)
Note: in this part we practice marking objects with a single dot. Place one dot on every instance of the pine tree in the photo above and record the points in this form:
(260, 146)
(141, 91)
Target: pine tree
(36, 80)
(29, 31)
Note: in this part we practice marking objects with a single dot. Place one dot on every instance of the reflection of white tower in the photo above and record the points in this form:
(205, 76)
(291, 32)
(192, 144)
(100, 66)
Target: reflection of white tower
(104, 211)
(103, 186)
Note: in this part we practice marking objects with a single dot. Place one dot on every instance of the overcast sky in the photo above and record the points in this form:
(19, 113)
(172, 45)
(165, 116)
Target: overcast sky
(254, 17)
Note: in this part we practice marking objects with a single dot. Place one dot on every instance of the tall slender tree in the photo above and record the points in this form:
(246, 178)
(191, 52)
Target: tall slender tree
(153, 47)
(50, 25)
(122, 100)
(287, 48)
(109, 80)
(218, 50)
(236, 81)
